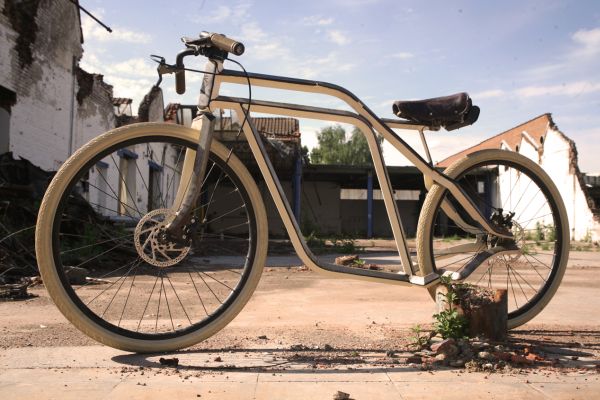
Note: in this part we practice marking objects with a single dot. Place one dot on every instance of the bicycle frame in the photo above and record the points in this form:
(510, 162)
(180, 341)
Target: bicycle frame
(365, 120)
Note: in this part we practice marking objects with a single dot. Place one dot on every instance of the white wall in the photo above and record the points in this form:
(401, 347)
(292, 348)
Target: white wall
(40, 124)
(555, 159)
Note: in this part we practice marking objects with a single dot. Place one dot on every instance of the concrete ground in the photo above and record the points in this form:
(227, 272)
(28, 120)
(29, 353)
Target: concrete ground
(304, 336)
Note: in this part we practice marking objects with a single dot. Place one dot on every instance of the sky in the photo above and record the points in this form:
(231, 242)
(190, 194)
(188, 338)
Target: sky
(516, 59)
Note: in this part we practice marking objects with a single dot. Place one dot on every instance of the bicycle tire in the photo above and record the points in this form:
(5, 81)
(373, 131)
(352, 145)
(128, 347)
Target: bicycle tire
(90, 322)
(547, 288)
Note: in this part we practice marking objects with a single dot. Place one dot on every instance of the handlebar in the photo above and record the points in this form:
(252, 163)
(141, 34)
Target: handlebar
(203, 45)
(224, 43)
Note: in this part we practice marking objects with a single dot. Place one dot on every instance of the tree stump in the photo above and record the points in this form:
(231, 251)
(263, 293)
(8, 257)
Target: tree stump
(486, 310)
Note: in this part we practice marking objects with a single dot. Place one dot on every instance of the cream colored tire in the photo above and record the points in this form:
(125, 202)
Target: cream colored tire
(44, 241)
(432, 202)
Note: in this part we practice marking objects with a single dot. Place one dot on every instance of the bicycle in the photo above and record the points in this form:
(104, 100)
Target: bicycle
(163, 291)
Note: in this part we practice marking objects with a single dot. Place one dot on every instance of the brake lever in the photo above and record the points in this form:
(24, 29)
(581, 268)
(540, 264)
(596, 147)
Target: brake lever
(163, 67)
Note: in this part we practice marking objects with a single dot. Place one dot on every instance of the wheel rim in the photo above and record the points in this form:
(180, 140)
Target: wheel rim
(527, 274)
(128, 294)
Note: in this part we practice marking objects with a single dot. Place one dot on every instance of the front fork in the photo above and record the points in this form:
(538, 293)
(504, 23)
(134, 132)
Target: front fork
(195, 161)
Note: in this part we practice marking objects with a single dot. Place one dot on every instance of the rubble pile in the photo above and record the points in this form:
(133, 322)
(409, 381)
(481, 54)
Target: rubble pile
(22, 187)
(475, 355)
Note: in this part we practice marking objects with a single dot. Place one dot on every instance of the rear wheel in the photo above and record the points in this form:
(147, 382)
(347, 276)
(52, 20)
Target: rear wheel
(517, 194)
(108, 267)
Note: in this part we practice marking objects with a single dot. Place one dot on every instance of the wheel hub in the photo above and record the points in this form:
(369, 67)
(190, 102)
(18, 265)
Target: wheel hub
(151, 241)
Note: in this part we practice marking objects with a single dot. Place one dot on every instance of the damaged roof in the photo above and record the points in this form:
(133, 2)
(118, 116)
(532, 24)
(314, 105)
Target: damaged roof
(536, 128)
(119, 101)
(281, 128)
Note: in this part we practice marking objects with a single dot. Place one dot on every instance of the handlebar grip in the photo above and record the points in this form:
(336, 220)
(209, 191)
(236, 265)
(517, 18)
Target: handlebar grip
(226, 44)
(180, 82)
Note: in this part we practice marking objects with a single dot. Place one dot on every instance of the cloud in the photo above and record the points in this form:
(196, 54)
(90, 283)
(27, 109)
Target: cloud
(585, 45)
(219, 15)
(489, 94)
(566, 89)
(338, 37)
(93, 31)
(133, 67)
(403, 55)
(320, 67)
(317, 20)
(588, 40)
(252, 32)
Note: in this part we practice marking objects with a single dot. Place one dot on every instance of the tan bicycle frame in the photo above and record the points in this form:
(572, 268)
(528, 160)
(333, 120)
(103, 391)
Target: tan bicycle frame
(365, 120)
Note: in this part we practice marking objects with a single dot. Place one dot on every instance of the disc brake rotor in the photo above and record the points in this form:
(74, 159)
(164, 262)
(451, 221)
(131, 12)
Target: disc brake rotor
(149, 242)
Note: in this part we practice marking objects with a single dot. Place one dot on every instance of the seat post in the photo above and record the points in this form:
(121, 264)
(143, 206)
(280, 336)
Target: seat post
(425, 146)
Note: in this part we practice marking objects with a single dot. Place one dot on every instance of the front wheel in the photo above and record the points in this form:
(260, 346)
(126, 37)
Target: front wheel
(103, 256)
(517, 194)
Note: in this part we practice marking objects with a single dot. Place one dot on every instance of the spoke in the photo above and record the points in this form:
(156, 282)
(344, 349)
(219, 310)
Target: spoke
(512, 187)
(133, 198)
(225, 214)
(220, 197)
(531, 219)
(491, 265)
(534, 268)
(198, 293)
(148, 302)
(162, 165)
(232, 252)
(99, 255)
(233, 226)
(172, 177)
(515, 272)
(207, 285)
(107, 274)
(212, 195)
(518, 283)
(159, 298)
(523, 194)
(142, 176)
(545, 265)
(535, 216)
(113, 283)
(127, 298)
(168, 307)
(511, 284)
(216, 280)
(116, 196)
(103, 207)
(178, 299)
(457, 261)
(95, 244)
(119, 288)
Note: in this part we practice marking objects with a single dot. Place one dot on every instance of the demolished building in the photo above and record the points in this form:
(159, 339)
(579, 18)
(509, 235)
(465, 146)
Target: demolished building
(540, 140)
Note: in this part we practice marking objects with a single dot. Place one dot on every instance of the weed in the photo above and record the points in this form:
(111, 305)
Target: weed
(420, 339)
(358, 262)
(450, 323)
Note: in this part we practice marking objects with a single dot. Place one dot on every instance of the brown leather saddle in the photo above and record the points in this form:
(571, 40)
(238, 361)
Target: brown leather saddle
(451, 112)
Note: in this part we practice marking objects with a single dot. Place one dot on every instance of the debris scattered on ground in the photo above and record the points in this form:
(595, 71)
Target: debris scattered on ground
(347, 260)
(341, 396)
(18, 290)
(355, 261)
(77, 275)
(169, 362)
